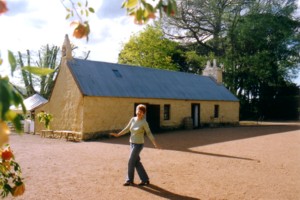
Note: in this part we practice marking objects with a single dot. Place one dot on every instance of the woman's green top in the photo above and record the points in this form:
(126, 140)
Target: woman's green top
(137, 130)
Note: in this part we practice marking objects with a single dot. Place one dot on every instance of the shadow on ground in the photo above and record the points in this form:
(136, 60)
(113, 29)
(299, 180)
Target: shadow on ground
(188, 139)
(158, 191)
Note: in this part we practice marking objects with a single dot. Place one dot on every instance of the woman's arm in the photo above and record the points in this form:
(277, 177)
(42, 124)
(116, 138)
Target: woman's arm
(155, 144)
(124, 131)
(150, 135)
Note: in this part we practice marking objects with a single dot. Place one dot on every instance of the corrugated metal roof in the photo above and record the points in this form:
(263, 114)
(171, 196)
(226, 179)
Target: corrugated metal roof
(31, 103)
(108, 79)
(34, 101)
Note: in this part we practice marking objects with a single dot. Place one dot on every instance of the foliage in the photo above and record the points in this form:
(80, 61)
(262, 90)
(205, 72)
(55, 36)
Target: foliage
(8, 97)
(195, 63)
(203, 22)
(257, 67)
(10, 171)
(142, 11)
(150, 49)
(11, 181)
(45, 118)
(258, 42)
(286, 103)
(48, 61)
(82, 12)
(40, 78)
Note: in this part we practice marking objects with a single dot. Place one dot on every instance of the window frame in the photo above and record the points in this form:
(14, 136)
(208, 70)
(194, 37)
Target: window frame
(167, 112)
(216, 111)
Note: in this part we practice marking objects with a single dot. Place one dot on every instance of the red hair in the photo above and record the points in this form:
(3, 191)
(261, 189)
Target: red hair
(142, 108)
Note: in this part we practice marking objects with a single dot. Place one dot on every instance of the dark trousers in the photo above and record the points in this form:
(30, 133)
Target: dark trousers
(135, 163)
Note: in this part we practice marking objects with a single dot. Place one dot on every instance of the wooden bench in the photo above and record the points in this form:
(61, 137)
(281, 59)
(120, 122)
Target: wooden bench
(69, 135)
(46, 133)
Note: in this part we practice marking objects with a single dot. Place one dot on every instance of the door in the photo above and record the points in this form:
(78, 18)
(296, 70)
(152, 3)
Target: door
(196, 115)
(152, 116)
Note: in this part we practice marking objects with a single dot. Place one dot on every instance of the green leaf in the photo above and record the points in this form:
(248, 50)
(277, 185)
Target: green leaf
(149, 7)
(12, 61)
(5, 97)
(79, 4)
(17, 122)
(91, 10)
(124, 4)
(139, 14)
(145, 13)
(68, 16)
(130, 3)
(38, 70)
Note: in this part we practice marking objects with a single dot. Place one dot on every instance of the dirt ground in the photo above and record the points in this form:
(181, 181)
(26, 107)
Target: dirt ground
(245, 162)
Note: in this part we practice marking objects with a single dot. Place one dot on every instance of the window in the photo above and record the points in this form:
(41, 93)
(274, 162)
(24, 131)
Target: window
(167, 111)
(216, 111)
(117, 73)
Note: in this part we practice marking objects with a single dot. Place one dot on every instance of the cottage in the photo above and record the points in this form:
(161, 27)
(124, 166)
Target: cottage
(94, 97)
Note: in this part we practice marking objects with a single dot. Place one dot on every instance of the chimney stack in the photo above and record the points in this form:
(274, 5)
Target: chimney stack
(66, 49)
(213, 71)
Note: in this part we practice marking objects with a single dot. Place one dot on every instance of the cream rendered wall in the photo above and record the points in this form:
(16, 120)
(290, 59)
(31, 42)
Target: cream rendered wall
(228, 112)
(104, 114)
(91, 115)
(37, 125)
(66, 103)
(107, 113)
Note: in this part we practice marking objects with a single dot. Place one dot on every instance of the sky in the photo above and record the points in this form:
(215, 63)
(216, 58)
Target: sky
(30, 24)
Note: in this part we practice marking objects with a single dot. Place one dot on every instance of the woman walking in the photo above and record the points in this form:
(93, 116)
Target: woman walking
(137, 126)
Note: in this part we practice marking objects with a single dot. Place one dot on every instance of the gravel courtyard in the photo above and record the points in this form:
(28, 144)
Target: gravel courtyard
(245, 162)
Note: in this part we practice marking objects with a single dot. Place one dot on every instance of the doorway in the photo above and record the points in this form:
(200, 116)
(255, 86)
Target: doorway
(152, 116)
(196, 115)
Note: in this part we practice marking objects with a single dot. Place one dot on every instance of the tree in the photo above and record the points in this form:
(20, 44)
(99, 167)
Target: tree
(27, 77)
(203, 22)
(258, 41)
(47, 61)
(38, 71)
(258, 67)
(48, 58)
(150, 49)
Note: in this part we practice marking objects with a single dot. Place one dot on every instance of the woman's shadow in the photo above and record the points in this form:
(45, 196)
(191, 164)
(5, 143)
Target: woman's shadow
(158, 191)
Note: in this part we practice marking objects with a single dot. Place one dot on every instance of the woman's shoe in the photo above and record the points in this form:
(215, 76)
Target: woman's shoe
(128, 183)
(144, 183)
